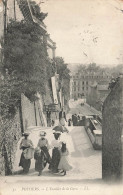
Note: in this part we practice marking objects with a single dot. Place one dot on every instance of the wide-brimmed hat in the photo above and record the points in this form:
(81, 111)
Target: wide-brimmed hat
(26, 134)
(42, 133)
(56, 132)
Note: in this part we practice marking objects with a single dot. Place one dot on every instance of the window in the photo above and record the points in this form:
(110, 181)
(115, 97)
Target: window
(83, 82)
(83, 88)
(86, 82)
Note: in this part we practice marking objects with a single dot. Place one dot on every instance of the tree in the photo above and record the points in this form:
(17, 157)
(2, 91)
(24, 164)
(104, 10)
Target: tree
(93, 67)
(62, 68)
(26, 62)
(37, 12)
(82, 68)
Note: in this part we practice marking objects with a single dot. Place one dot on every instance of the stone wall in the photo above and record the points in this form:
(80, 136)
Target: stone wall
(96, 97)
(47, 99)
(9, 136)
(11, 130)
(92, 97)
(28, 112)
(112, 127)
(31, 113)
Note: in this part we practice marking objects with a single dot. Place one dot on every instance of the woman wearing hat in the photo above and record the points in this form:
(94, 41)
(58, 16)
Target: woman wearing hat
(43, 156)
(56, 145)
(25, 143)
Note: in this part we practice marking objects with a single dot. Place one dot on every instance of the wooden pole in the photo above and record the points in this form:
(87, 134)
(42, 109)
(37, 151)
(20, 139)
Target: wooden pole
(5, 19)
(21, 116)
(35, 113)
(14, 11)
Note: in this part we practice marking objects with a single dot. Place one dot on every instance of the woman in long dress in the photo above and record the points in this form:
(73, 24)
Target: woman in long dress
(56, 145)
(25, 143)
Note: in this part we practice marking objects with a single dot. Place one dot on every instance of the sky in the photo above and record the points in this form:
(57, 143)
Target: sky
(86, 31)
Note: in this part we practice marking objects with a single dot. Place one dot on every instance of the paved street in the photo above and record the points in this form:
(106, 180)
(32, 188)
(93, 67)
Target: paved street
(84, 110)
(86, 161)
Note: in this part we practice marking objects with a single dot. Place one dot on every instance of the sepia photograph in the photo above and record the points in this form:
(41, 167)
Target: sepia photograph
(61, 97)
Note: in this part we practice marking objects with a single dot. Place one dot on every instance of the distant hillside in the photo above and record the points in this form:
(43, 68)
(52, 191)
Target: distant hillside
(113, 70)
(74, 66)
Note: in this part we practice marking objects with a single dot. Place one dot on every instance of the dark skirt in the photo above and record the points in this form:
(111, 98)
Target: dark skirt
(47, 155)
(55, 160)
(41, 161)
(25, 163)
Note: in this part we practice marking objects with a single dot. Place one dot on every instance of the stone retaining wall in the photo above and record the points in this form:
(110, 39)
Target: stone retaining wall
(112, 128)
(9, 136)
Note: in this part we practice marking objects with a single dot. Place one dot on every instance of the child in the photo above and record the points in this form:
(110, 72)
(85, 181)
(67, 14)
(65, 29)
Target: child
(44, 146)
(64, 164)
(40, 160)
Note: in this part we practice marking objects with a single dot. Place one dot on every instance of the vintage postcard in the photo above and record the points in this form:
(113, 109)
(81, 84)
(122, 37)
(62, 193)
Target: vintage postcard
(61, 97)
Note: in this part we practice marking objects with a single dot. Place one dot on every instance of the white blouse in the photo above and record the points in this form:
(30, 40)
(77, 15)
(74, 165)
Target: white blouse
(56, 144)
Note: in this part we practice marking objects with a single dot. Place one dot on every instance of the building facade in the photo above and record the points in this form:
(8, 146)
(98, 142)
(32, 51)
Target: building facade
(82, 82)
(97, 95)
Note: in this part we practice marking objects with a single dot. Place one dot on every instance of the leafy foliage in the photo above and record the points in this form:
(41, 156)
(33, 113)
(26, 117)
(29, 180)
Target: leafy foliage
(91, 68)
(109, 70)
(37, 12)
(26, 62)
(62, 68)
(115, 71)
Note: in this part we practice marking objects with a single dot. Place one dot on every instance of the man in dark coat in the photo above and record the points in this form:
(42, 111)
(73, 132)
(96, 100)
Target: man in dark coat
(75, 120)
